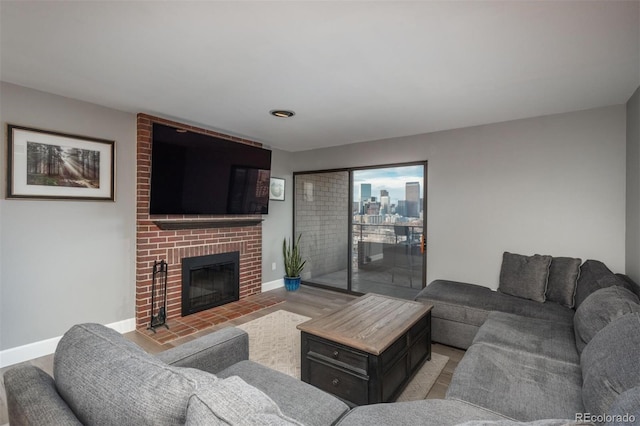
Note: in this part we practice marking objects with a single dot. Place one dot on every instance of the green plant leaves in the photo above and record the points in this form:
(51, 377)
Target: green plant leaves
(293, 263)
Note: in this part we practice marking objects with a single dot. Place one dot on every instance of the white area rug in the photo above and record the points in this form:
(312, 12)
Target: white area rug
(274, 341)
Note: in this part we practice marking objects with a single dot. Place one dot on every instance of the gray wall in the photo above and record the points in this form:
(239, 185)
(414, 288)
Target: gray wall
(65, 262)
(633, 187)
(552, 185)
(278, 223)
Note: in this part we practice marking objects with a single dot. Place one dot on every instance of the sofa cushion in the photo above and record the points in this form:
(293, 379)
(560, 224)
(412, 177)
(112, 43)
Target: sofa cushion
(533, 335)
(233, 402)
(471, 303)
(456, 301)
(520, 385)
(524, 276)
(319, 408)
(544, 422)
(625, 410)
(107, 380)
(610, 363)
(629, 284)
(563, 278)
(528, 308)
(599, 309)
(595, 275)
(427, 412)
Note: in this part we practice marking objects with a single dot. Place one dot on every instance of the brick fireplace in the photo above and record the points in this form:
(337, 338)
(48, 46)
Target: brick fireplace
(176, 237)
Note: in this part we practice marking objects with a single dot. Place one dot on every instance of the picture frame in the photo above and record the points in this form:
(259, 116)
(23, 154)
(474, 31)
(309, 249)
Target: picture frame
(43, 164)
(276, 189)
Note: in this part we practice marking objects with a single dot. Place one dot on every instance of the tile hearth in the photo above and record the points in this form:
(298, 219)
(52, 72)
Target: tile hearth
(191, 324)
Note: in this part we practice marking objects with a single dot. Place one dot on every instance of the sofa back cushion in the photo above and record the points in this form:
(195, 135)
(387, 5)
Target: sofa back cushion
(563, 279)
(601, 308)
(595, 275)
(610, 364)
(524, 276)
(108, 380)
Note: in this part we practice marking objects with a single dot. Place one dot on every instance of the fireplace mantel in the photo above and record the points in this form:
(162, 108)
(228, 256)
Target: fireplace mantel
(226, 222)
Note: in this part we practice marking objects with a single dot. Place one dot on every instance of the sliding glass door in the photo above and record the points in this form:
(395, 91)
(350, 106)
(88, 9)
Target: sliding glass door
(388, 231)
(363, 229)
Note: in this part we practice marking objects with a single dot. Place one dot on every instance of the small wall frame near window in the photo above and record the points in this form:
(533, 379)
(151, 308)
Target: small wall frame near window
(52, 165)
(276, 189)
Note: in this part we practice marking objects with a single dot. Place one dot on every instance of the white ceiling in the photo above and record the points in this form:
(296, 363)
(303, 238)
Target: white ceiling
(352, 71)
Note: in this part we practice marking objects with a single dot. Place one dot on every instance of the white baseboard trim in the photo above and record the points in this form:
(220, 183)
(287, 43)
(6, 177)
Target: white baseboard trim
(46, 347)
(272, 285)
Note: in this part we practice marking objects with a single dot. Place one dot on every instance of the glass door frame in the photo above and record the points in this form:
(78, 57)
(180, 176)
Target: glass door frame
(350, 223)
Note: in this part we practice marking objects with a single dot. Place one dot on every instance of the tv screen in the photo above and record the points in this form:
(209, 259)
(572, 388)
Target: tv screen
(192, 173)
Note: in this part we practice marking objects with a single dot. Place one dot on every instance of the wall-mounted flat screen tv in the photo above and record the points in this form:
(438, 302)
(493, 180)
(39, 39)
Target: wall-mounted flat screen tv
(193, 173)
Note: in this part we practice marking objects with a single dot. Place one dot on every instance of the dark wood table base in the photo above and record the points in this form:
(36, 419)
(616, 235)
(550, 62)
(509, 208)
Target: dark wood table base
(365, 376)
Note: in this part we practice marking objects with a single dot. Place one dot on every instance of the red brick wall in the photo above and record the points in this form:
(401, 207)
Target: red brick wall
(153, 244)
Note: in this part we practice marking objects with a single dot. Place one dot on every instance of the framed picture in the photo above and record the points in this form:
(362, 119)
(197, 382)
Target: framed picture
(51, 165)
(276, 189)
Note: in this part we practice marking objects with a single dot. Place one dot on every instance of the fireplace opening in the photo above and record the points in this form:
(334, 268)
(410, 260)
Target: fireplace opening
(209, 281)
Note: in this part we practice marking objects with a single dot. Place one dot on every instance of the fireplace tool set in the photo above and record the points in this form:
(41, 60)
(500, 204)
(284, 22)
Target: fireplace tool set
(159, 296)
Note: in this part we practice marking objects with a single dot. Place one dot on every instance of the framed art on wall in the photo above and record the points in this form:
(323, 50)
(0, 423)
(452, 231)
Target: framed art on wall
(51, 165)
(276, 189)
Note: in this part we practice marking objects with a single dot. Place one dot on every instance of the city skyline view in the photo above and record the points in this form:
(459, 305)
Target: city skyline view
(391, 179)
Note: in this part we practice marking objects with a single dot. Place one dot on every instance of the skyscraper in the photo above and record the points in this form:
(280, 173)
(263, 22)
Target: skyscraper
(384, 201)
(365, 195)
(365, 191)
(412, 195)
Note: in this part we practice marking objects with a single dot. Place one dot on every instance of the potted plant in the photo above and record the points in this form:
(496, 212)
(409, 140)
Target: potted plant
(293, 264)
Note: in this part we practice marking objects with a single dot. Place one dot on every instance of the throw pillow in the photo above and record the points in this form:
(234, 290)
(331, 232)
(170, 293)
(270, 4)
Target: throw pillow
(563, 278)
(232, 401)
(599, 309)
(524, 276)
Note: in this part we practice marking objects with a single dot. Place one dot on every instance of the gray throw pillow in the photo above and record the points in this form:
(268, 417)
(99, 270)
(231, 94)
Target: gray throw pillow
(524, 276)
(563, 278)
(232, 401)
(599, 309)
(610, 364)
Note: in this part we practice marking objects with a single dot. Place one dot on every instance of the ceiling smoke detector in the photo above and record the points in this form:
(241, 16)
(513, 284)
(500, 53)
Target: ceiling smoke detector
(282, 113)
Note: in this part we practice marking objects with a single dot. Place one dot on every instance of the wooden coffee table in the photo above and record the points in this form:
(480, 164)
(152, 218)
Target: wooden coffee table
(366, 351)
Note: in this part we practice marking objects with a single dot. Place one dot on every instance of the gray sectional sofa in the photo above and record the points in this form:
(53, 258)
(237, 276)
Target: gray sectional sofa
(531, 360)
(522, 365)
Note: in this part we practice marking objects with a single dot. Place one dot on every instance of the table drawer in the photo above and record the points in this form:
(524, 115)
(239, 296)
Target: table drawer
(339, 382)
(338, 353)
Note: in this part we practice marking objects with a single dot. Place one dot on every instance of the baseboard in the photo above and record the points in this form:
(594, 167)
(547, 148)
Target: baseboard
(46, 347)
(272, 285)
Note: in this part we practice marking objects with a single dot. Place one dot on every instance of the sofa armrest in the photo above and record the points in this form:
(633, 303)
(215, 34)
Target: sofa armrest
(212, 353)
(32, 398)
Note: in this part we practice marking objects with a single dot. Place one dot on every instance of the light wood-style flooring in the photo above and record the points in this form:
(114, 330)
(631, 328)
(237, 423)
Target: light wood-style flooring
(307, 301)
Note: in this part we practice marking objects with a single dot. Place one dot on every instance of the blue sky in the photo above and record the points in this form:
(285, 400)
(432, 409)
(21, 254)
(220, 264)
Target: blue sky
(393, 179)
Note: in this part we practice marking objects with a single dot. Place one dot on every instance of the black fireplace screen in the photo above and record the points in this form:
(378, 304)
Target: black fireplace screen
(209, 281)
